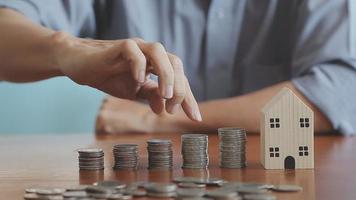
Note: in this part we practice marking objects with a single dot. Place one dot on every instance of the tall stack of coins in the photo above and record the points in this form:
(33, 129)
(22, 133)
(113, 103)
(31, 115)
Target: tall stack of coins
(160, 154)
(125, 156)
(195, 151)
(232, 147)
(91, 159)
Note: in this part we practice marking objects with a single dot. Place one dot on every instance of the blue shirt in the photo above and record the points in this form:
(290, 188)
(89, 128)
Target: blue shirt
(232, 47)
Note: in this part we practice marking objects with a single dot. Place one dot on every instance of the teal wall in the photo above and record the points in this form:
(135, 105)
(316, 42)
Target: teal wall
(57, 105)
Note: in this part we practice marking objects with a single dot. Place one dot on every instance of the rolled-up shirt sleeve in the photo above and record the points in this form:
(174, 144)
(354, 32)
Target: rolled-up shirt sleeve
(72, 16)
(324, 59)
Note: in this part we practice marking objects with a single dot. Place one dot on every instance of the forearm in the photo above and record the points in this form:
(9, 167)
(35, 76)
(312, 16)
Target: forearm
(243, 111)
(25, 49)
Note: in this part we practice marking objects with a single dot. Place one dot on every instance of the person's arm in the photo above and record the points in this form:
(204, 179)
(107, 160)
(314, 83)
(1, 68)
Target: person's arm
(25, 49)
(120, 116)
(30, 52)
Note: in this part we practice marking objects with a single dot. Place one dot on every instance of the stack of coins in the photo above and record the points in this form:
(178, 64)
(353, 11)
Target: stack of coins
(160, 154)
(125, 156)
(232, 147)
(91, 159)
(195, 151)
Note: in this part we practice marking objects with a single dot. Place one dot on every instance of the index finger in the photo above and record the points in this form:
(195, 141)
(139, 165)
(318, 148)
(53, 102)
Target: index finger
(162, 66)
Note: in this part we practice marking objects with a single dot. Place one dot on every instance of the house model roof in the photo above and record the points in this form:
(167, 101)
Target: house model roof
(282, 93)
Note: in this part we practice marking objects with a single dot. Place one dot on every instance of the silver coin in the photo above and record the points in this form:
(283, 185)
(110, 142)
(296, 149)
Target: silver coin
(219, 194)
(31, 190)
(30, 196)
(139, 193)
(161, 187)
(77, 188)
(191, 185)
(75, 194)
(99, 189)
(114, 197)
(89, 150)
(259, 197)
(251, 190)
(287, 188)
(161, 195)
(52, 191)
(190, 192)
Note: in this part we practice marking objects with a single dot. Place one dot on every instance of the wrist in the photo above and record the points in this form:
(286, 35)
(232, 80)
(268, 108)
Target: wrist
(58, 43)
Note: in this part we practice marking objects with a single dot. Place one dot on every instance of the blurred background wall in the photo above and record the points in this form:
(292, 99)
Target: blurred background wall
(56, 105)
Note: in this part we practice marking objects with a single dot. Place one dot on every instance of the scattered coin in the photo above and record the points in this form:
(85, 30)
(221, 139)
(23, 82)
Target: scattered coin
(111, 184)
(190, 188)
(52, 191)
(115, 197)
(161, 187)
(75, 194)
(126, 197)
(190, 192)
(198, 180)
(77, 188)
(251, 190)
(31, 190)
(160, 190)
(139, 193)
(30, 196)
(287, 188)
(232, 147)
(191, 185)
(259, 197)
(221, 194)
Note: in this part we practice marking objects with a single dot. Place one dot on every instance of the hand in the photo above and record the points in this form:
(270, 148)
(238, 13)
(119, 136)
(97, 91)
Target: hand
(122, 68)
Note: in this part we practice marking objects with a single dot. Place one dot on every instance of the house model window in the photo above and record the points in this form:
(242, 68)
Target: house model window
(274, 152)
(304, 122)
(303, 151)
(274, 123)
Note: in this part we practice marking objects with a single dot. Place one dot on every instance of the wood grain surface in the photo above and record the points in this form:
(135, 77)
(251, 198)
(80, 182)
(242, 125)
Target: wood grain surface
(51, 161)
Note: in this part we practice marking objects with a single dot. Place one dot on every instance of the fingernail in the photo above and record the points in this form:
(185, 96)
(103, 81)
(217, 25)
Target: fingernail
(197, 115)
(175, 108)
(141, 76)
(168, 92)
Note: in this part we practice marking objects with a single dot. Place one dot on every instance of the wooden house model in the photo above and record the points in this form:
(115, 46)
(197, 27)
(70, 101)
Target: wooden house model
(287, 133)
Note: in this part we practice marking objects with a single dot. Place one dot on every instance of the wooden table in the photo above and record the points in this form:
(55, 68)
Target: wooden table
(51, 160)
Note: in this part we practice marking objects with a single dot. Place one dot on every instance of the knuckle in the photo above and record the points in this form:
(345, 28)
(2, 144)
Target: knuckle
(141, 60)
(61, 38)
(137, 39)
(167, 73)
(128, 44)
(179, 94)
(176, 62)
(157, 47)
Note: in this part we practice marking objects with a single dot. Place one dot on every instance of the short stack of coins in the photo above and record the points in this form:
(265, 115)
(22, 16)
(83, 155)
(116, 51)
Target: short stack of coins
(91, 159)
(126, 156)
(195, 151)
(232, 147)
(160, 154)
